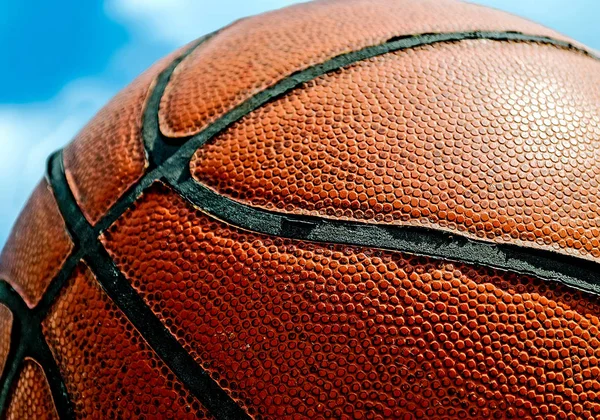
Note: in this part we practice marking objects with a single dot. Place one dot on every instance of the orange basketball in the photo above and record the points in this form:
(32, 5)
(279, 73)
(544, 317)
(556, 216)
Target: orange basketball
(344, 209)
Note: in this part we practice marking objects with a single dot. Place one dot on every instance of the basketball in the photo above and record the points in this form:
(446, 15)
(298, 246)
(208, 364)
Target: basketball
(343, 209)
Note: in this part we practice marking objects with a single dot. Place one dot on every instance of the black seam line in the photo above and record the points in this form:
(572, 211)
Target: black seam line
(55, 287)
(152, 150)
(574, 271)
(12, 366)
(27, 341)
(158, 150)
(422, 241)
(151, 328)
(179, 160)
(344, 60)
(27, 337)
(193, 376)
(167, 156)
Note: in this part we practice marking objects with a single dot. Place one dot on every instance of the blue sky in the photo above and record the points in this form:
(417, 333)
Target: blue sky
(65, 58)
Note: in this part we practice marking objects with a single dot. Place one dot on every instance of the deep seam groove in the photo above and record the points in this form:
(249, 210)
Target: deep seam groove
(179, 161)
(170, 162)
(9, 297)
(573, 271)
(158, 147)
(30, 341)
(41, 353)
(154, 332)
(27, 340)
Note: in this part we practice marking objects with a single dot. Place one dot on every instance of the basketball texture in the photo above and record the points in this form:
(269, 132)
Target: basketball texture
(344, 209)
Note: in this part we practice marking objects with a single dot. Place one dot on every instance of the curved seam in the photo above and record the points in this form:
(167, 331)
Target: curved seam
(27, 340)
(547, 265)
(21, 338)
(573, 271)
(12, 366)
(158, 151)
(173, 165)
(131, 304)
(178, 162)
(402, 42)
(41, 353)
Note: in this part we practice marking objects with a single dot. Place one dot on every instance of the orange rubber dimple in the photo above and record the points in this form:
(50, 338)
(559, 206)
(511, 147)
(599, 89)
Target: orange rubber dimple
(107, 367)
(31, 397)
(477, 139)
(495, 140)
(302, 330)
(37, 247)
(108, 155)
(6, 321)
(255, 53)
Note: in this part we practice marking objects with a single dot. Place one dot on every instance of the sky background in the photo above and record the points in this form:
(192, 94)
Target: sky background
(64, 59)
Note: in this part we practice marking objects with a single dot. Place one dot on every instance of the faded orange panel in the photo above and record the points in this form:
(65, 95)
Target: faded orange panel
(37, 246)
(303, 330)
(108, 155)
(6, 321)
(255, 53)
(495, 140)
(108, 368)
(31, 397)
